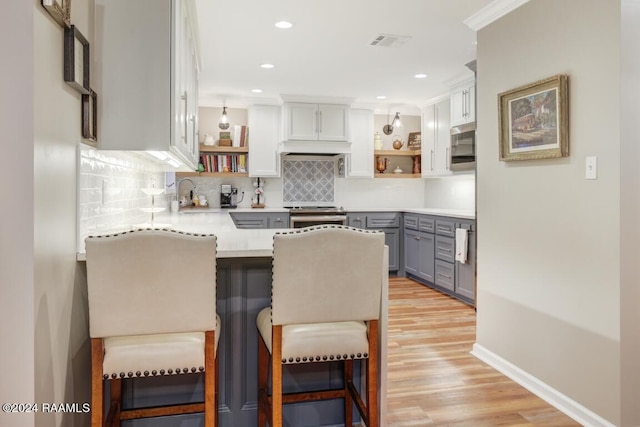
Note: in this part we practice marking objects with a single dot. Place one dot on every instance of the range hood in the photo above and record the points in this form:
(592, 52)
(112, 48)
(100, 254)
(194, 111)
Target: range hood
(323, 148)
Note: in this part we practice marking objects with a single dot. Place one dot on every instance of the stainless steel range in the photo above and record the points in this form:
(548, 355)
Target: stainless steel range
(306, 216)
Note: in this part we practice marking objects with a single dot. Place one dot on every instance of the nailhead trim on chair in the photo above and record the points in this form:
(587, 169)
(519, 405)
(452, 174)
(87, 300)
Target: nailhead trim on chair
(151, 229)
(324, 358)
(154, 373)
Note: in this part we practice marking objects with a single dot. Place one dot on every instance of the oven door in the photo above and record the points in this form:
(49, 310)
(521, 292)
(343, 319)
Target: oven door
(301, 221)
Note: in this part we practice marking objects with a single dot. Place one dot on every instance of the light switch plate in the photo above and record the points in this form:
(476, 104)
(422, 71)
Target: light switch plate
(591, 169)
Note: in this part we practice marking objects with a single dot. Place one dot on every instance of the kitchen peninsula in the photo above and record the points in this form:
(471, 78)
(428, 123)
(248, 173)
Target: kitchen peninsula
(244, 288)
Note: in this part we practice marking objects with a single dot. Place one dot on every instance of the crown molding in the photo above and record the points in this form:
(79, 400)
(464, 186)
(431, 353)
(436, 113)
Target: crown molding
(492, 12)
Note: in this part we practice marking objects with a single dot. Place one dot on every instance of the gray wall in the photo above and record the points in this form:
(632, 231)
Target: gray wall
(549, 240)
(16, 216)
(62, 351)
(630, 212)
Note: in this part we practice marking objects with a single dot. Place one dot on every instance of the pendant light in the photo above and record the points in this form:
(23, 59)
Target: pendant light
(224, 121)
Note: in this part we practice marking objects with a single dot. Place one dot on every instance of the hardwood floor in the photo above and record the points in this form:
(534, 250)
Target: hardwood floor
(432, 378)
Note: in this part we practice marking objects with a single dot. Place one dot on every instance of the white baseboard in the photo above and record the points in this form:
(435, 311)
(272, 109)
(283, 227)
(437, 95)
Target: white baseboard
(547, 393)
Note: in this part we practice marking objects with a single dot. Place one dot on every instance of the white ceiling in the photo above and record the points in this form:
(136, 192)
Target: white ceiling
(328, 53)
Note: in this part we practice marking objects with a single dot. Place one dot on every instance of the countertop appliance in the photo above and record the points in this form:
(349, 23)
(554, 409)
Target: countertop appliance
(306, 216)
(228, 196)
(463, 147)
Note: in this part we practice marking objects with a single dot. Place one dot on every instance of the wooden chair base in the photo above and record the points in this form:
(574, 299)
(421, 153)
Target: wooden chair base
(270, 406)
(115, 414)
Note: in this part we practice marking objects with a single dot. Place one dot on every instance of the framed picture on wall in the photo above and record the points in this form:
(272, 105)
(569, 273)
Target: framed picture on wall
(76, 60)
(89, 116)
(60, 11)
(534, 120)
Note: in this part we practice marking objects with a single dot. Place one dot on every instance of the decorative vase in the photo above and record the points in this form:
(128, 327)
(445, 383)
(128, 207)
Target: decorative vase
(377, 141)
(381, 164)
(416, 164)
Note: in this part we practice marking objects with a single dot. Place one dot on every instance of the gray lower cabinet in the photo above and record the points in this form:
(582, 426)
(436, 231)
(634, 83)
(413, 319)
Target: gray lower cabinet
(249, 220)
(466, 273)
(278, 220)
(418, 250)
(389, 223)
(430, 250)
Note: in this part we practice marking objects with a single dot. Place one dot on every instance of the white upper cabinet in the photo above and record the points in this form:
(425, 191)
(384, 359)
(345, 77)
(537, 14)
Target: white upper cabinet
(146, 72)
(360, 160)
(313, 122)
(436, 140)
(264, 124)
(463, 103)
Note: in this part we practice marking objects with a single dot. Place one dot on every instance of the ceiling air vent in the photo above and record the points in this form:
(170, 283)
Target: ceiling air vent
(389, 40)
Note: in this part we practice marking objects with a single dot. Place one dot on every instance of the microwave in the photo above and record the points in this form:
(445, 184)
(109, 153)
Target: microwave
(463, 147)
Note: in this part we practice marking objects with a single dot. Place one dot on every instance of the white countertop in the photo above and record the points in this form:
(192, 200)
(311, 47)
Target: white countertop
(454, 213)
(242, 243)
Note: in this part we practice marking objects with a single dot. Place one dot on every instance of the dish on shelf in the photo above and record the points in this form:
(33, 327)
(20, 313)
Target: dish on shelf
(152, 191)
(152, 210)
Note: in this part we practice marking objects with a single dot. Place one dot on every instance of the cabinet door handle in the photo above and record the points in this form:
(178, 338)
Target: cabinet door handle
(320, 121)
(448, 160)
(185, 98)
(416, 237)
(464, 103)
(431, 160)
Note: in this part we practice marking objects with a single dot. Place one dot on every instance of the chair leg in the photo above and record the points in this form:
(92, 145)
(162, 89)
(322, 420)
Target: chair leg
(215, 401)
(210, 383)
(97, 385)
(348, 400)
(263, 378)
(115, 403)
(372, 375)
(276, 376)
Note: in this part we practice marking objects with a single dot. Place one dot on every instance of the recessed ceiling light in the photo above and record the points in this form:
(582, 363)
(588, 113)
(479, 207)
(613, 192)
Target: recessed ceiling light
(267, 65)
(420, 76)
(381, 97)
(256, 90)
(283, 25)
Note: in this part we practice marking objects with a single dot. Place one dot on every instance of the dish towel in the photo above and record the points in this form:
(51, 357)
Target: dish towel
(461, 245)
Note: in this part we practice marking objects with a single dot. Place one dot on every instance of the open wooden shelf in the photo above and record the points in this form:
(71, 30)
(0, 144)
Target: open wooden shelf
(404, 153)
(214, 174)
(396, 175)
(219, 149)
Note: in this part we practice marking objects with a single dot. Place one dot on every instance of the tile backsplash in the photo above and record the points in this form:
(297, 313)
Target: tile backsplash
(109, 191)
(308, 181)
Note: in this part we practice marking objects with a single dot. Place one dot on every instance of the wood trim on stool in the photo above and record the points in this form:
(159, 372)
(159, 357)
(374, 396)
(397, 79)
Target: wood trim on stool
(97, 386)
(270, 407)
(276, 376)
(209, 407)
(210, 380)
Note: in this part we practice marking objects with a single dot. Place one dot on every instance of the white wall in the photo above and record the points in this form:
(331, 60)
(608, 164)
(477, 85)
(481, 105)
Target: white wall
(629, 214)
(549, 240)
(62, 350)
(451, 192)
(16, 218)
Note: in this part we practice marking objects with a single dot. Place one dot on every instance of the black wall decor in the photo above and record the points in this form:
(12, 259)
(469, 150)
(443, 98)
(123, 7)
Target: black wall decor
(76, 60)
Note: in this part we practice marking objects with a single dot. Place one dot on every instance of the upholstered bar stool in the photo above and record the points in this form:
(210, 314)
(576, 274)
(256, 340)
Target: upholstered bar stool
(325, 306)
(152, 312)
